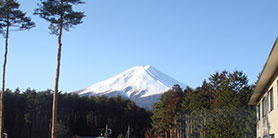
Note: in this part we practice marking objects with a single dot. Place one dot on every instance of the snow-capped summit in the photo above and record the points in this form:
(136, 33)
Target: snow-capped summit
(137, 83)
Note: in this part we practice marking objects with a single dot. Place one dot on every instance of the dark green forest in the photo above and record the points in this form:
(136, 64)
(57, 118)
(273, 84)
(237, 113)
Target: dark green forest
(27, 114)
(217, 109)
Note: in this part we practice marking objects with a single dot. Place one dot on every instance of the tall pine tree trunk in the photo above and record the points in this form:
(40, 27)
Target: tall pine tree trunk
(171, 132)
(55, 93)
(191, 125)
(205, 124)
(3, 81)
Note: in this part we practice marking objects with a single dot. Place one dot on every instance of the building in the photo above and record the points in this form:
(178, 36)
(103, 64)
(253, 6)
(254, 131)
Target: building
(265, 97)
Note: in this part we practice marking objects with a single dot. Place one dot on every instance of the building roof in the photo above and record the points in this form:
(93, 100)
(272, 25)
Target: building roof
(270, 68)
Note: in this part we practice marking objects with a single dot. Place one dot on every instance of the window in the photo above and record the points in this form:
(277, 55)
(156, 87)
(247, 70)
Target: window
(267, 103)
(263, 106)
(259, 112)
(270, 136)
(270, 96)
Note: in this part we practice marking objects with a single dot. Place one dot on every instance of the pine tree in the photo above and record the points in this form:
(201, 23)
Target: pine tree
(231, 116)
(166, 113)
(11, 17)
(60, 15)
(219, 108)
(173, 111)
(158, 118)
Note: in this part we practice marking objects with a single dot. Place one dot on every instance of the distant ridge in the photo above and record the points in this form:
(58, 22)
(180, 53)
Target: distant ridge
(142, 84)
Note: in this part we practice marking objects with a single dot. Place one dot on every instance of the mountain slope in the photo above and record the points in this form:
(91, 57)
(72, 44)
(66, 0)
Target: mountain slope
(143, 84)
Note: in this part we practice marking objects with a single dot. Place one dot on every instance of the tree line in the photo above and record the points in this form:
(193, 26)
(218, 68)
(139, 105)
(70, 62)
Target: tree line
(217, 109)
(27, 114)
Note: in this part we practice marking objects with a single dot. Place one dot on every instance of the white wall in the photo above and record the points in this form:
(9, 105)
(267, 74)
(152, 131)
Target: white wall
(269, 124)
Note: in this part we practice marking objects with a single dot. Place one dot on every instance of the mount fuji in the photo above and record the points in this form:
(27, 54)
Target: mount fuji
(142, 84)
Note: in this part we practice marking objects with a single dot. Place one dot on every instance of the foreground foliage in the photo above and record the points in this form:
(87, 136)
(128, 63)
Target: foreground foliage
(28, 115)
(217, 109)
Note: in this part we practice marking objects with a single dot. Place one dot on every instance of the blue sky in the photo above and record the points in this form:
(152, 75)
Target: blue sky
(186, 39)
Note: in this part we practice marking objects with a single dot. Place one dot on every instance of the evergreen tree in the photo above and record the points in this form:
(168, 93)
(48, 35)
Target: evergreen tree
(186, 112)
(11, 17)
(231, 113)
(28, 115)
(61, 16)
(173, 111)
(219, 108)
(158, 118)
(166, 113)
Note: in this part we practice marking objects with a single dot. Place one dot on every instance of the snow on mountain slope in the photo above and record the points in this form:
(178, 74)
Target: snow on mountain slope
(136, 83)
